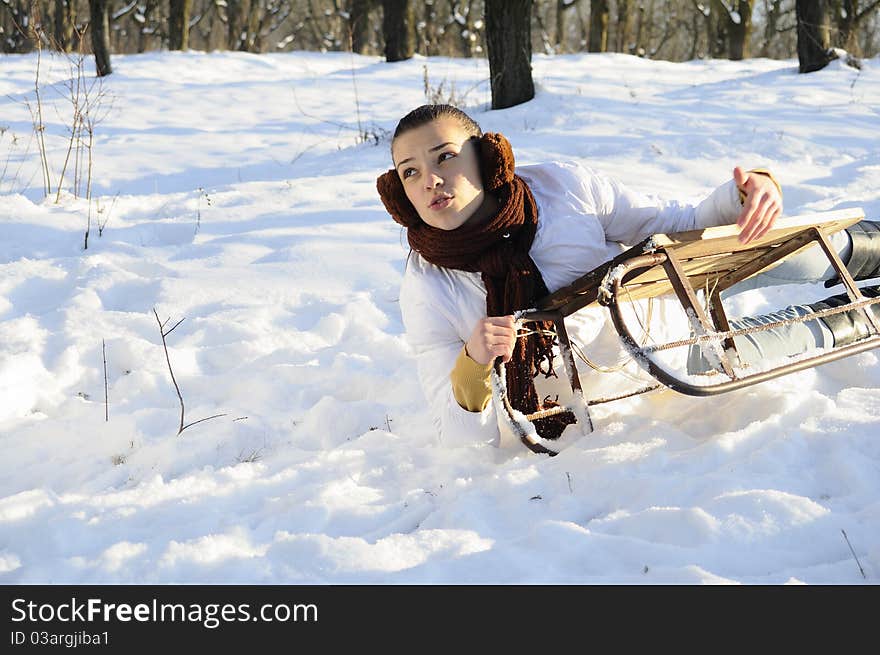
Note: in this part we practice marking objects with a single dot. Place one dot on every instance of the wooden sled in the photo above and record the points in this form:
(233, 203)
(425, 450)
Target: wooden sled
(682, 263)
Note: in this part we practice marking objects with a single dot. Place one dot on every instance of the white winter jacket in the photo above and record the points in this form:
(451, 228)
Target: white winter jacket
(583, 218)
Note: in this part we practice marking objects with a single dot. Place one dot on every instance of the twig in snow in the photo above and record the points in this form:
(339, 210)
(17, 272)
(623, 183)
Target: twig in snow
(199, 421)
(106, 396)
(164, 334)
(204, 193)
(861, 570)
(168, 359)
(100, 209)
(172, 329)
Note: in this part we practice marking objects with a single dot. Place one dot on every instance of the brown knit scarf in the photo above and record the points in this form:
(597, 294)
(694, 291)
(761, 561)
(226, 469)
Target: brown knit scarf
(498, 249)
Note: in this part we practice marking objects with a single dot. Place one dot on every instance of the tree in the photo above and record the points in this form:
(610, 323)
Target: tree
(397, 24)
(716, 27)
(15, 26)
(848, 20)
(773, 12)
(562, 7)
(65, 20)
(813, 40)
(623, 26)
(235, 24)
(461, 20)
(100, 27)
(178, 24)
(672, 29)
(641, 24)
(509, 45)
(359, 25)
(737, 26)
(598, 26)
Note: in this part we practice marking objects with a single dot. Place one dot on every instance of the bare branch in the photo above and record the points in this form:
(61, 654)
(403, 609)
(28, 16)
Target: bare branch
(867, 10)
(175, 325)
(106, 395)
(183, 426)
(199, 421)
(861, 570)
(170, 370)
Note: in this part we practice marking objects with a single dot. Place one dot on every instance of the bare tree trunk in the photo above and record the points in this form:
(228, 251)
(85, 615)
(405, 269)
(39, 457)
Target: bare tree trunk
(847, 33)
(467, 33)
(397, 26)
(65, 19)
(358, 15)
(562, 8)
(812, 35)
(100, 26)
(771, 25)
(559, 34)
(848, 20)
(426, 36)
(623, 25)
(16, 35)
(178, 24)
(509, 44)
(737, 30)
(640, 44)
(598, 26)
(695, 30)
(149, 9)
(236, 15)
(716, 31)
(252, 41)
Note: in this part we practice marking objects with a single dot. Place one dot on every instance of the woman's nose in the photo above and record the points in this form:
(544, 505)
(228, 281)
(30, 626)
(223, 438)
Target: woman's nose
(433, 180)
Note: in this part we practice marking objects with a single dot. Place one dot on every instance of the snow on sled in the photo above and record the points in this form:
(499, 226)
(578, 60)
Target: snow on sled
(690, 266)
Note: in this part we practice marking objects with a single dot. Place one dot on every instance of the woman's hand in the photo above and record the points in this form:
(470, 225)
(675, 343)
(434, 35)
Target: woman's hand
(493, 336)
(761, 207)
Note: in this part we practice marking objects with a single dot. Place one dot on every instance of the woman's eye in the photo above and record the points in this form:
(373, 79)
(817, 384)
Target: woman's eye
(446, 155)
(409, 172)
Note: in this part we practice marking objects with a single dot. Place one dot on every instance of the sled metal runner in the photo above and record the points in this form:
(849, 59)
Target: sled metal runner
(711, 260)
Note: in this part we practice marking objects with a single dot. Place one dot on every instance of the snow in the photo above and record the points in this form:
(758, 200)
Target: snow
(238, 195)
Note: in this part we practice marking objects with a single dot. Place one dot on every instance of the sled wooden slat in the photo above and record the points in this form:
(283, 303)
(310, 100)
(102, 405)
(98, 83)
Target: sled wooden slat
(718, 263)
(705, 255)
(724, 238)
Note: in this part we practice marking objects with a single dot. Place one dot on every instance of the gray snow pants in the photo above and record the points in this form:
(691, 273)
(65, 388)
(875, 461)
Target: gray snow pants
(811, 265)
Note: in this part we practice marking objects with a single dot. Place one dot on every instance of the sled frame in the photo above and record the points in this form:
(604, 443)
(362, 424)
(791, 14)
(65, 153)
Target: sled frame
(681, 263)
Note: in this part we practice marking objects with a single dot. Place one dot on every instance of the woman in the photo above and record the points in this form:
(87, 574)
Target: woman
(487, 241)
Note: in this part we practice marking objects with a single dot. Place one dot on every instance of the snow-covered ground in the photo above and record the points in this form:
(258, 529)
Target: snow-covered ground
(236, 195)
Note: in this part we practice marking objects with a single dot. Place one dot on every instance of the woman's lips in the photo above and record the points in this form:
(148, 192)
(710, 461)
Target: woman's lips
(440, 203)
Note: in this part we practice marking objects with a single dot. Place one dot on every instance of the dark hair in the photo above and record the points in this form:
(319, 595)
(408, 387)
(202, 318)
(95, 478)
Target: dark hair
(427, 113)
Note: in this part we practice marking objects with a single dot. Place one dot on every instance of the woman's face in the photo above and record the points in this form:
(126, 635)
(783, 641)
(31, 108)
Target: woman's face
(440, 171)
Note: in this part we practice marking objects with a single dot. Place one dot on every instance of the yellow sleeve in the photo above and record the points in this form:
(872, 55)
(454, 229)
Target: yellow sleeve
(470, 382)
(760, 171)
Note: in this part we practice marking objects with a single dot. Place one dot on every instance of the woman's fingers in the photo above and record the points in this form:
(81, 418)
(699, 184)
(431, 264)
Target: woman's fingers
(754, 211)
(493, 336)
(762, 206)
(500, 334)
(500, 321)
(770, 217)
(502, 350)
(759, 214)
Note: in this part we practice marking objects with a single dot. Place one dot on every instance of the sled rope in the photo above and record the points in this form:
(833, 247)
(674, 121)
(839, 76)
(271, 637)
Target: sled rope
(719, 336)
(600, 368)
